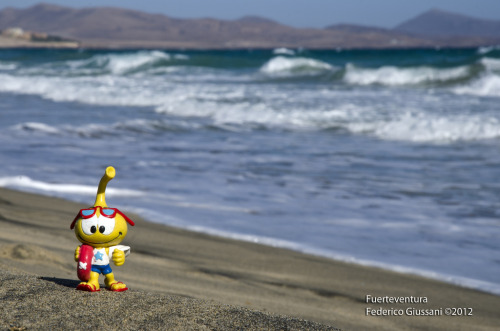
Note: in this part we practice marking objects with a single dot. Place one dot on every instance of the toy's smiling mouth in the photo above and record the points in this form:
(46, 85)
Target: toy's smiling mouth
(102, 242)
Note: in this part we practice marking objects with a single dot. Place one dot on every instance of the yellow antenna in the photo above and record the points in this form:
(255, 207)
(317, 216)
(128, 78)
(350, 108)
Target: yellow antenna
(100, 199)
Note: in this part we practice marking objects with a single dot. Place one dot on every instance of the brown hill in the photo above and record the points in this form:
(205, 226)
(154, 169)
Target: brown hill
(114, 27)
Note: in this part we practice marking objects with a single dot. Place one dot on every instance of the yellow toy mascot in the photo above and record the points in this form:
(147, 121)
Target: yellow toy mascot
(100, 229)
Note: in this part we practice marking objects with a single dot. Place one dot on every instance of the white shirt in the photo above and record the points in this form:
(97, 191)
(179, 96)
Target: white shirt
(102, 258)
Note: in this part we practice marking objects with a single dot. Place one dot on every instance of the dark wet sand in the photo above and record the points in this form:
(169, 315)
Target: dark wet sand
(185, 280)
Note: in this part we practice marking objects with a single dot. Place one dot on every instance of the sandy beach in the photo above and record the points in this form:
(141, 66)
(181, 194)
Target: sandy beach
(184, 280)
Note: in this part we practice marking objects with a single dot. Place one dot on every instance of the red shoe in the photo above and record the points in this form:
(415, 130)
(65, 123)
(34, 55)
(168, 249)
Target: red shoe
(110, 288)
(87, 288)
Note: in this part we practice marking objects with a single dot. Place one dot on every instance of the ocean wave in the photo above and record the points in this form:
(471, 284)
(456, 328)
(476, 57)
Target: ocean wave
(247, 116)
(155, 89)
(25, 182)
(283, 51)
(6, 66)
(488, 49)
(195, 99)
(107, 64)
(487, 85)
(284, 67)
(99, 90)
(191, 115)
(37, 127)
(120, 64)
(394, 76)
(491, 64)
(414, 126)
(126, 63)
(137, 126)
(430, 128)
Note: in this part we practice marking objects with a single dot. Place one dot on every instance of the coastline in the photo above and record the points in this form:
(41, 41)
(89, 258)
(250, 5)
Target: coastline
(13, 43)
(166, 261)
(128, 45)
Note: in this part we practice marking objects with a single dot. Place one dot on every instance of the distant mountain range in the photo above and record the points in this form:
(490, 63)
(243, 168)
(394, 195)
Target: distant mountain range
(438, 23)
(122, 28)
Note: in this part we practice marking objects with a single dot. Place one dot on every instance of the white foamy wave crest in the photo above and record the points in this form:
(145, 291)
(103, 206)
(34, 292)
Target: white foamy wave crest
(116, 90)
(139, 126)
(424, 127)
(100, 90)
(247, 115)
(392, 76)
(120, 64)
(123, 63)
(491, 64)
(416, 126)
(487, 85)
(281, 66)
(93, 130)
(37, 127)
(89, 130)
(24, 182)
(283, 51)
(7, 66)
(486, 49)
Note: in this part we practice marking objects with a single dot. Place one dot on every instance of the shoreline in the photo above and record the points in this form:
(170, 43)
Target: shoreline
(35, 238)
(13, 44)
(463, 282)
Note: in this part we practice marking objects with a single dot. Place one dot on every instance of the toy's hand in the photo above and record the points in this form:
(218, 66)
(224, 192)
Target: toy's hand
(77, 253)
(118, 257)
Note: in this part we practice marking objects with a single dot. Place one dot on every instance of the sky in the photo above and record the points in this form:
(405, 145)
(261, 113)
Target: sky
(297, 13)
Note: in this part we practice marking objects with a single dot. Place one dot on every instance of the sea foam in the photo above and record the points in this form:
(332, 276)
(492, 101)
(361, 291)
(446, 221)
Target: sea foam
(393, 76)
(7, 66)
(425, 127)
(281, 66)
(37, 127)
(487, 49)
(120, 64)
(26, 183)
(486, 85)
(283, 51)
(491, 64)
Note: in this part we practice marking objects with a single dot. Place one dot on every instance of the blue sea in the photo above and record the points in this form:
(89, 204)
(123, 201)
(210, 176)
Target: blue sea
(387, 158)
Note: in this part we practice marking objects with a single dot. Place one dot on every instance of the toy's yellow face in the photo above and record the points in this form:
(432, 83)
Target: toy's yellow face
(101, 227)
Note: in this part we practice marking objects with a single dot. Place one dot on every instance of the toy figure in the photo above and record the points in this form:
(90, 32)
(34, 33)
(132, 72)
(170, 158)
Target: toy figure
(100, 229)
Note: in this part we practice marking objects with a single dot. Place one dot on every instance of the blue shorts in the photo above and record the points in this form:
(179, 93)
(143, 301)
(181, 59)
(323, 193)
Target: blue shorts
(102, 269)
